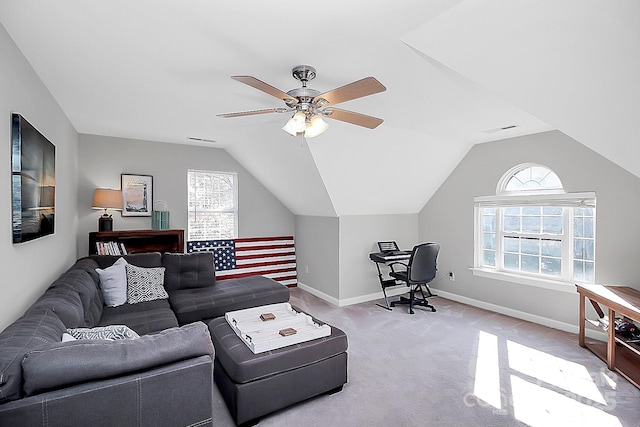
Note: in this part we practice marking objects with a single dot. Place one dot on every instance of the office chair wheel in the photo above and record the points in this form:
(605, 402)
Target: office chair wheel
(433, 309)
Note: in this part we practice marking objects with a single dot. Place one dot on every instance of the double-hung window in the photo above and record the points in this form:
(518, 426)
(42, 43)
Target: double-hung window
(531, 228)
(212, 205)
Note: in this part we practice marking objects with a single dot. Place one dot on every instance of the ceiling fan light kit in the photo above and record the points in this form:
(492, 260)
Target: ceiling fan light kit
(310, 106)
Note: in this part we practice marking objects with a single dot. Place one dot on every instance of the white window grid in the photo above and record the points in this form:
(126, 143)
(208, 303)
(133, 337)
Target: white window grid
(212, 211)
(567, 239)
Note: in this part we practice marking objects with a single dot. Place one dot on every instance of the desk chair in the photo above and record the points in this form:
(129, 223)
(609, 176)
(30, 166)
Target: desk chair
(421, 270)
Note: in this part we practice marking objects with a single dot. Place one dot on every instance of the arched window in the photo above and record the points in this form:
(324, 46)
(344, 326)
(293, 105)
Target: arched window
(529, 177)
(533, 228)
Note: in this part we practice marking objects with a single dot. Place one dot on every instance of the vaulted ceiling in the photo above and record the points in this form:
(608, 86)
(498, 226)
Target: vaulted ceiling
(455, 72)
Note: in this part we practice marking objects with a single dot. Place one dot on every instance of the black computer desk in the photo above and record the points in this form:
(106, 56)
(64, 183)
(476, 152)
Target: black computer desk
(388, 258)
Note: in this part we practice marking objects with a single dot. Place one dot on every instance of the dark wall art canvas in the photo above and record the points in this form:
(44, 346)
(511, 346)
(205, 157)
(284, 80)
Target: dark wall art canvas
(33, 166)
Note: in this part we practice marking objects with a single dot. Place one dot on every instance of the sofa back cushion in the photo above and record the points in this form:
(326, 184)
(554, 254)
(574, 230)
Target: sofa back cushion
(186, 271)
(66, 363)
(72, 297)
(146, 259)
(36, 329)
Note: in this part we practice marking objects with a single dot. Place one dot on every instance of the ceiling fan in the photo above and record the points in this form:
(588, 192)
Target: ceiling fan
(310, 106)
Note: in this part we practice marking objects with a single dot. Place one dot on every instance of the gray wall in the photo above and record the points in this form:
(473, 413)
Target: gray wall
(102, 160)
(28, 268)
(359, 235)
(317, 243)
(335, 251)
(448, 219)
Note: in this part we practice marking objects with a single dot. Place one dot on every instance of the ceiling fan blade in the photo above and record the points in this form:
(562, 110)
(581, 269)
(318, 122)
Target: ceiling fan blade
(353, 118)
(249, 113)
(357, 89)
(260, 85)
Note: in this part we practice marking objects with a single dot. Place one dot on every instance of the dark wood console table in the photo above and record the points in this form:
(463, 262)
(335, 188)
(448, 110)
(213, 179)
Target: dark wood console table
(621, 355)
(136, 241)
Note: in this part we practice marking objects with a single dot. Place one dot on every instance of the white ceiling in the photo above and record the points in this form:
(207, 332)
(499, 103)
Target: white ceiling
(160, 71)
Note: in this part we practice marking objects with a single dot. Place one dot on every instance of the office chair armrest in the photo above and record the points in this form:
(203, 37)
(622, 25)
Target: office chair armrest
(391, 265)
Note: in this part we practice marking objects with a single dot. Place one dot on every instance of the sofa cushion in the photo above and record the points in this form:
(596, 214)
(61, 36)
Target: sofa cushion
(78, 287)
(147, 259)
(65, 302)
(36, 329)
(110, 332)
(73, 362)
(144, 317)
(191, 305)
(187, 271)
(94, 312)
(113, 283)
(145, 284)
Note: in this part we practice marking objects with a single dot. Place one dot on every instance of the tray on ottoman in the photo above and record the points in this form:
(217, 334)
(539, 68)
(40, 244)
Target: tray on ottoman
(274, 326)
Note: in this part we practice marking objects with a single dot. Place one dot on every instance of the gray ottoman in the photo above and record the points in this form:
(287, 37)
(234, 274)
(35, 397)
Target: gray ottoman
(254, 385)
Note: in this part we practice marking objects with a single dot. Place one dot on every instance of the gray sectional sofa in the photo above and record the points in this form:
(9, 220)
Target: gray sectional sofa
(162, 378)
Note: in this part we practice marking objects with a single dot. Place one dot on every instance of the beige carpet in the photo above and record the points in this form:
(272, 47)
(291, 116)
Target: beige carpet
(459, 366)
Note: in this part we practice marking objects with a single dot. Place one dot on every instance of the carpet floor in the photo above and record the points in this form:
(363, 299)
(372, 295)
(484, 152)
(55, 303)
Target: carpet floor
(459, 366)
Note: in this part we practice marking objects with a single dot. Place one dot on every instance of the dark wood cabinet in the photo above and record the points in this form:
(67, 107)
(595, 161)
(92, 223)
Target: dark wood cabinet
(136, 241)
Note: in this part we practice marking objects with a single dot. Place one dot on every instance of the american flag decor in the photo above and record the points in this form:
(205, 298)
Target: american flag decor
(273, 257)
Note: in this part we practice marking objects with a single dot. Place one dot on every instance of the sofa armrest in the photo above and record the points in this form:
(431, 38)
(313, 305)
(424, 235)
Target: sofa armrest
(174, 394)
(68, 363)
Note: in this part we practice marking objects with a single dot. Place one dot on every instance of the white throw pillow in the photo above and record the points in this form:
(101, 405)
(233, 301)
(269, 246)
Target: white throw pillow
(145, 284)
(113, 282)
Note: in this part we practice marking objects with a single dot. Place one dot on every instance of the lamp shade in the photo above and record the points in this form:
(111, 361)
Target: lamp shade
(315, 127)
(296, 124)
(107, 198)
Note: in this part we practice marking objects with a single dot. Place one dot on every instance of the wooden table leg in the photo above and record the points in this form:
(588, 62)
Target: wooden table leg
(611, 341)
(581, 322)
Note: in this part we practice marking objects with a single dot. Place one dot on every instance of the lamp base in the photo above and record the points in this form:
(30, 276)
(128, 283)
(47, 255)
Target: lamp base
(105, 223)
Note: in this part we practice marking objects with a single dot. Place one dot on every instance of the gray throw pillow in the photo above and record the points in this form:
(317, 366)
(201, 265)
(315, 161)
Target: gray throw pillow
(145, 284)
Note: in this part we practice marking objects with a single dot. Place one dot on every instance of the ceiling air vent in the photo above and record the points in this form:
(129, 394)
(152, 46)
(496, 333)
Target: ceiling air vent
(192, 138)
(500, 129)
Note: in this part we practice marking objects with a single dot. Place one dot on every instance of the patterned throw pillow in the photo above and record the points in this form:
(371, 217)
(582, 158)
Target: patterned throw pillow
(145, 284)
(111, 332)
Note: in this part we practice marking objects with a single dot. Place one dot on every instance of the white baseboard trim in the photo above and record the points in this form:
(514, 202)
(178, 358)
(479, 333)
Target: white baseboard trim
(401, 289)
(563, 326)
(391, 292)
(328, 298)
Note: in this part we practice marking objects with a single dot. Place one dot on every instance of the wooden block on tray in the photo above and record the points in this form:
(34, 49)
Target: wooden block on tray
(287, 332)
(267, 316)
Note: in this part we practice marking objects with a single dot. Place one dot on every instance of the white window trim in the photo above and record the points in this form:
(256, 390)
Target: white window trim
(569, 200)
(539, 282)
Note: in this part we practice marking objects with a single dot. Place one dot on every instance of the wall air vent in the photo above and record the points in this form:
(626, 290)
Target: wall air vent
(500, 129)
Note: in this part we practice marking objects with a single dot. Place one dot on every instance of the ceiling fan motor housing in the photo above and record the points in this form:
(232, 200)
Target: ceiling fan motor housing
(304, 73)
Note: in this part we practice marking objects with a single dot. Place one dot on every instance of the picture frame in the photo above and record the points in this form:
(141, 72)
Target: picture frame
(33, 181)
(137, 194)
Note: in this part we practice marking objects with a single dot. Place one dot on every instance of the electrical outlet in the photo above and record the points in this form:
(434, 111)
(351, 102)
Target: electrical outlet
(306, 269)
(452, 276)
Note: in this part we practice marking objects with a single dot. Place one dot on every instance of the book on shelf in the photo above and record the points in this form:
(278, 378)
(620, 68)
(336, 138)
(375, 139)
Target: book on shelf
(110, 248)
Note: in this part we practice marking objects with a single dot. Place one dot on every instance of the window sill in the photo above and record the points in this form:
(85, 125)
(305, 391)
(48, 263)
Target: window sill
(555, 285)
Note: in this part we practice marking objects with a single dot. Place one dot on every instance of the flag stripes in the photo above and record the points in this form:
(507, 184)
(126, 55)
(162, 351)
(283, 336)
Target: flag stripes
(273, 257)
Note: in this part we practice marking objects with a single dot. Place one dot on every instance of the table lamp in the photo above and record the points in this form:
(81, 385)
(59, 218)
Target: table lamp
(106, 198)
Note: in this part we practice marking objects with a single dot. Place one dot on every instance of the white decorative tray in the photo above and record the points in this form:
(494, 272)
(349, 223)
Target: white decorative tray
(264, 335)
